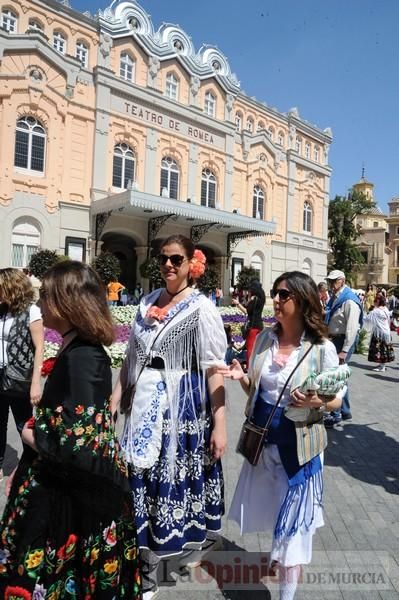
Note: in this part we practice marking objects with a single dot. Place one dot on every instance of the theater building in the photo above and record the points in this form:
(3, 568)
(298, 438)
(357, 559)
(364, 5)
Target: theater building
(115, 134)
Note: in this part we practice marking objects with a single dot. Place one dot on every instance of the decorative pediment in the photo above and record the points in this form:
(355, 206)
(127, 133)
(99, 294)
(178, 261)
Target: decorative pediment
(126, 17)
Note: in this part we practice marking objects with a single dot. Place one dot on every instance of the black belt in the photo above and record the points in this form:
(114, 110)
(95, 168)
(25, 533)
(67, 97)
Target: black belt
(157, 363)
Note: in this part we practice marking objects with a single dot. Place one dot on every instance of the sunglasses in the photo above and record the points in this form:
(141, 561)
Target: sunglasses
(283, 294)
(176, 260)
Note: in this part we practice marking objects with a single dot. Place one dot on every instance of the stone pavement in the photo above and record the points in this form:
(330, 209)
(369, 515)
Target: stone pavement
(356, 553)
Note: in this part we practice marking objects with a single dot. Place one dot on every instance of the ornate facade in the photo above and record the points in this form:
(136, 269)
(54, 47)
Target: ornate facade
(393, 224)
(115, 135)
(373, 241)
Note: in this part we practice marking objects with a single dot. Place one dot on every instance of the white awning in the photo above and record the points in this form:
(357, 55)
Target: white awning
(134, 203)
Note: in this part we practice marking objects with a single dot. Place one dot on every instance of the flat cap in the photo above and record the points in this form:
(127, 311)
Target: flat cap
(336, 274)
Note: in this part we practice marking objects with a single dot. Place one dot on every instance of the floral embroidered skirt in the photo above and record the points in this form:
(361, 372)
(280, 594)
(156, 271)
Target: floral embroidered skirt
(53, 548)
(380, 351)
(177, 513)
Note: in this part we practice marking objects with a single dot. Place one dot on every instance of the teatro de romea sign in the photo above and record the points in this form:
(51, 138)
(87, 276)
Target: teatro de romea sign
(152, 117)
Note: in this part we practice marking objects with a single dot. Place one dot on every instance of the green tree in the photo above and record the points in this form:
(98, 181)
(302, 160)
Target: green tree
(107, 266)
(209, 281)
(41, 261)
(343, 231)
(245, 276)
(150, 270)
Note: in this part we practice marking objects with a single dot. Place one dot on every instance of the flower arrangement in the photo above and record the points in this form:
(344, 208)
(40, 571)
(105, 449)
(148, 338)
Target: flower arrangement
(197, 264)
(124, 316)
(117, 353)
(48, 366)
(50, 349)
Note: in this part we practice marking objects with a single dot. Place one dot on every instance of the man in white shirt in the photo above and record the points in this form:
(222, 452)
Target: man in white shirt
(344, 317)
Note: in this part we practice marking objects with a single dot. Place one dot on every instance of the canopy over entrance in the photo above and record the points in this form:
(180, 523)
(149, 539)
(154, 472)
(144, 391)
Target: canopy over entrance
(159, 210)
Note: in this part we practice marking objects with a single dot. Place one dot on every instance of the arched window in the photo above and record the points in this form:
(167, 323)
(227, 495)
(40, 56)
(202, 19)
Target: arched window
(169, 178)
(9, 20)
(307, 150)
(250, 125)
(59, 42)
(82, 53)
(298, 145)
(280, 138)
(208, 188)
(210, 104)
(307, 217)
(271, 133)
(127, 67)
(30, 144)
(35, 24)
(257, 265)
(123, 166)
(258, 203)
(307, 267)
(172, 86)
(261, 126)
(25, 241)
(316, 154)
(238, 121)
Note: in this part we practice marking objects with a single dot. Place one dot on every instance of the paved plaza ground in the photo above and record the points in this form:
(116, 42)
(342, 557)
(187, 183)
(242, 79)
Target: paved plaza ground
(356, 553)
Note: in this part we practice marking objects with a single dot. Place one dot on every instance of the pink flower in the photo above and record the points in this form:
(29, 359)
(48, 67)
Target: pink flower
(197, 264)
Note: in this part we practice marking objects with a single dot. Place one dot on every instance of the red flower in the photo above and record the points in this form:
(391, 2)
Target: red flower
(197, 264)
(154, 312)
(79, 409)
(48, 366)
(17, 593)
(66, 551)
(31, 423)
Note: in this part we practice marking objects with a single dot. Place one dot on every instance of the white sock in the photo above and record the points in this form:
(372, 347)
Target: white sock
(288, 581)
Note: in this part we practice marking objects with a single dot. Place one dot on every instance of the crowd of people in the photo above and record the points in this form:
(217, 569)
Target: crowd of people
(91, 514)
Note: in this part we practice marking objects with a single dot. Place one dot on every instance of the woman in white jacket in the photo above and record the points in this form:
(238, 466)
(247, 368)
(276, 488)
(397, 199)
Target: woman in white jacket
(378, 322)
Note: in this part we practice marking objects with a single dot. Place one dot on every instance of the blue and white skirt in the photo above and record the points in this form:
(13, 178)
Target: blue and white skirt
(257, 501)
(174, 514)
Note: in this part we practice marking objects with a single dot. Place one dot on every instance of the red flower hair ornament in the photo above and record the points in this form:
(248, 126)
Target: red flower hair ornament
(197, 264)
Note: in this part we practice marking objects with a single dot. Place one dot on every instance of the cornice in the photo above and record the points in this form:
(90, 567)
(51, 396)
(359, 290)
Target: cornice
(323, 136)
(292, 156)
(58, 7)
(32, 42)
(263, 107)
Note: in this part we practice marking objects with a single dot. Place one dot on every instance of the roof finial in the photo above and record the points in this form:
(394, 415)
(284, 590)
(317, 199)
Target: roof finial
(362, 170)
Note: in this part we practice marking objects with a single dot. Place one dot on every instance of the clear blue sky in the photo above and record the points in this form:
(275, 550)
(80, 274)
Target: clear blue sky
(336, 61)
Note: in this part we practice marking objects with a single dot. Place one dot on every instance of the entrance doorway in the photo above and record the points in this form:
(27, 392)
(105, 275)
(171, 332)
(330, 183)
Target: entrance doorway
(124, 249)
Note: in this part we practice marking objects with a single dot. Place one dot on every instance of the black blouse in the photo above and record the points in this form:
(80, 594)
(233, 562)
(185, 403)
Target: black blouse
(254, 311)
(74, 432)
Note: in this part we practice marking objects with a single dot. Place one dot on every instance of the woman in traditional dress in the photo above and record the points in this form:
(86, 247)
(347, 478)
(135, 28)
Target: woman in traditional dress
(283, 492)
(68, 528)
(175, 433)
(379, 322)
